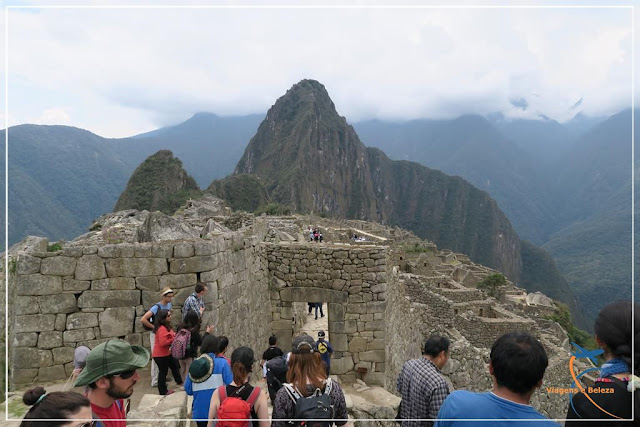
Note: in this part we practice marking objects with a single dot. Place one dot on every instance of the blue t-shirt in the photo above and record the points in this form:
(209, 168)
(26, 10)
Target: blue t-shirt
(203, 391)
(325, 350)
(464, 404)
(157, 306)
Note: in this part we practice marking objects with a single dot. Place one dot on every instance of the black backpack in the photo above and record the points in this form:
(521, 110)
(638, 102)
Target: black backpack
(312, 411)
(151, 319)
(276, 375)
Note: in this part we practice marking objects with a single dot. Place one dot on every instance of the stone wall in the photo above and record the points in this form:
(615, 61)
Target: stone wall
(86, 295)
(353, 283)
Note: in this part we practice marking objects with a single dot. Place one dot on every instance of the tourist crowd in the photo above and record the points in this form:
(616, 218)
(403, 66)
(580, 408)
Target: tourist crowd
(300, 388)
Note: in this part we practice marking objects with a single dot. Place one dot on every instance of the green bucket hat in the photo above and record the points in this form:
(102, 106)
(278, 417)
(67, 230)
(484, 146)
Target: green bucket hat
(201, 368)
(112, 357)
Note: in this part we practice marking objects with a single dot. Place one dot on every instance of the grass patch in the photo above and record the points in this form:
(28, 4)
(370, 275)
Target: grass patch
(55, 247)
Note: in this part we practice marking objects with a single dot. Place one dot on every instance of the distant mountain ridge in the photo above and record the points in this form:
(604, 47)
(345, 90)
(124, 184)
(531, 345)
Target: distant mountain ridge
(309, 158)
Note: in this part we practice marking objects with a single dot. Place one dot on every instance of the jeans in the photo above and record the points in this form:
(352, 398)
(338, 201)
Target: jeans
(319, 305)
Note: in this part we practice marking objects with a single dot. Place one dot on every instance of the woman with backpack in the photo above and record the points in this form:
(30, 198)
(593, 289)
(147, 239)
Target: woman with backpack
(239, 400)
(309, 394)
(610, 397)
(191, 323)
(162, 351)
(206, 374)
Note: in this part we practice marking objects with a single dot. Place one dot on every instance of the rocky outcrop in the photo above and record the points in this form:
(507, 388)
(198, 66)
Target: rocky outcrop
(158, 227)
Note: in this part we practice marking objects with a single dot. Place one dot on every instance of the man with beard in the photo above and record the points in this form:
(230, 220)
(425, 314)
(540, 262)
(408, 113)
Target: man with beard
(110, 374)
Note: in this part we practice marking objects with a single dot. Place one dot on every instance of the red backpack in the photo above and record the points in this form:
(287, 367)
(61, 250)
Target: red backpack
(180, 344)
(234, 411)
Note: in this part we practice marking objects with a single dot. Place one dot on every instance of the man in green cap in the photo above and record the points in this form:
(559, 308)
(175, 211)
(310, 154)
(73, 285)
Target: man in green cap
(110, 374)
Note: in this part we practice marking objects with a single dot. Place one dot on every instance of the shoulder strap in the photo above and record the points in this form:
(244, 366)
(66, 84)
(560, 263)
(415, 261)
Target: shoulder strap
(292, 392)
(222, 393)
(97, 420)
(255, 393)
(328, 385)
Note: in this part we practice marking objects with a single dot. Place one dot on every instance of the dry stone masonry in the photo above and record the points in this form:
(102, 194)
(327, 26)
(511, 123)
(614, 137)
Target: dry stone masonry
(384, 295)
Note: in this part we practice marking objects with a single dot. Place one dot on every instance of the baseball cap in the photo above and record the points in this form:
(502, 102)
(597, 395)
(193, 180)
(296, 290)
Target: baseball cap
(303, 344)
(321, 334)
(243, 355)
(80, 356)
(110, 358)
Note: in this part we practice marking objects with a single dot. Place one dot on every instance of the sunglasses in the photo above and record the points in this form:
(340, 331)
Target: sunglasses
(126, 374)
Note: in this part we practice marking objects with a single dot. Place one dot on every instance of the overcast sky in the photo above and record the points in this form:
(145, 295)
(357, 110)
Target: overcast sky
(122, 71)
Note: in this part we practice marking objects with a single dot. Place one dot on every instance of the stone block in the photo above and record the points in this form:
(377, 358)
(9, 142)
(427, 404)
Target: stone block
(356, 308)
(346, 327)
(109, 251)
(144, 250)
(68, 368)
(382, 287)
(89, 250)
(109, 299)
(303, 294)
(78, 335)
(61, 321)
(61, 303)
(339, 342)
(280, 324)
(50, 339)
(134, 267)
(23, 376)
(37, 284)
(341, 366)
(375, 325)
(116, 322)
(27, 264)
(336, 311)
(178, 281)
(162, 250)
(113, 284)
(75, 285)
(183, 250)
(377, 307)
(211, 276)
(196, 264)
(28, 339)
(134, 339)
(34, 323)
(27, 305)
(286, 313)
(372, 356)
(147, 283)
(25, 357)
(52, 373)
(70, 251)
(58, 266)
(62, 355)
(90, 267)
(357, 344)
(376, 345)
(205, 248)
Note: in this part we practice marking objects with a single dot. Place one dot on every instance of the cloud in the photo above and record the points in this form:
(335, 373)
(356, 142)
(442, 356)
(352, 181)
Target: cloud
(519, 103)
(54, 116)
(109, 67)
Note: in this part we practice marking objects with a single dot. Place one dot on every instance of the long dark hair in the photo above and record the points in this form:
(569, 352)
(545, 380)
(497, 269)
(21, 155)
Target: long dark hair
(614, 327)
(55, 405)
(223, 343)
(209, 344)
(306, 366)
(161, 319)
(191, 321)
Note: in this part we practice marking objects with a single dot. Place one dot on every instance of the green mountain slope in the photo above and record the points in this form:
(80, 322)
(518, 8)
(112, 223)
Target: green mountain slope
(159, 183)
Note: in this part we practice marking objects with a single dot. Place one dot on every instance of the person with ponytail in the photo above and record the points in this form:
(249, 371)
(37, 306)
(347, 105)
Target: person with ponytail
(62, 406)
(242, 361)
(610, 397)
(306, 374)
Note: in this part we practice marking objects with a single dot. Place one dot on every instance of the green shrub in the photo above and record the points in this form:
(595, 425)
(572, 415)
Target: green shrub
(562, 315)
(54, 247)
(491, 283)
(416, 248)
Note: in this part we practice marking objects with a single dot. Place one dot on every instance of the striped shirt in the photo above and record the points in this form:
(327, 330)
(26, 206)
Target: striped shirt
(423, 390)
